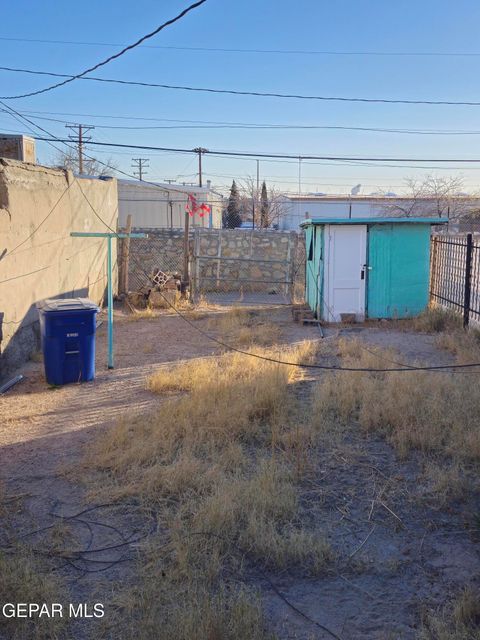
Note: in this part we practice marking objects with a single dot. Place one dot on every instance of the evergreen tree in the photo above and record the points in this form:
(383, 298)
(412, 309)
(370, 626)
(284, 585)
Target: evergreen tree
(231, 215)
(264, 207)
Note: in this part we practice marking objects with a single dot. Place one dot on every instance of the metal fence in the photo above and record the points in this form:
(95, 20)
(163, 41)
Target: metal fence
(225, 266)
(455, 274)
(231, 280)
(162, 250)
(244, 266)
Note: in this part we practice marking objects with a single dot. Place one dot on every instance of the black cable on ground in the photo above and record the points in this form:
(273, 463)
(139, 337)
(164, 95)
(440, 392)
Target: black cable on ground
(447, 368)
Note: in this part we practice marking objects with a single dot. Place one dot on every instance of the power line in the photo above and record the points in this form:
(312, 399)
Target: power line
(16, 115)
(440, 368)
(246, 124)
(401, 368)
(236, 92)
(112, 57)
(442, 54)
(356, 162)
(263, 154)
(205, 124)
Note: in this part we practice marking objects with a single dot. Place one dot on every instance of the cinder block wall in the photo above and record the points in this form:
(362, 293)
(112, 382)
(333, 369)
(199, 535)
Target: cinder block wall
(39, 207)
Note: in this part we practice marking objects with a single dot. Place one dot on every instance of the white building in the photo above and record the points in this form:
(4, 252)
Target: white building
(297, 208)
(161, 205)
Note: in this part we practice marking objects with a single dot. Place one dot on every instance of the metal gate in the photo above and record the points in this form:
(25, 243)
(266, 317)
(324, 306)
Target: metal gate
(455, 274)
(232, 266)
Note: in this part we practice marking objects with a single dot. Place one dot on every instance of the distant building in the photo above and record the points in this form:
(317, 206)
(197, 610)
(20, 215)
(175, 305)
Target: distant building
(162, 205)
(17, 147)
(297, 208)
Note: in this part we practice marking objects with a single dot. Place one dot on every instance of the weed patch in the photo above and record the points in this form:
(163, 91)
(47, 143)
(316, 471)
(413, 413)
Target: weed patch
(246, 327)
(437, 414)
(459, 621)
(437, 319)
(213, 461)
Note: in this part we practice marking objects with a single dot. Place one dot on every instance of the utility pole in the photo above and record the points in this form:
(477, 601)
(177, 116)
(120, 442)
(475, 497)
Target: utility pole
(169, 180)
(140, 164)
(200, 150)
(299, 175)
(79, 138)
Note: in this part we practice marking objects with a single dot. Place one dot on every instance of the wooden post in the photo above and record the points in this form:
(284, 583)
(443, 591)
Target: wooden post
(126, 256)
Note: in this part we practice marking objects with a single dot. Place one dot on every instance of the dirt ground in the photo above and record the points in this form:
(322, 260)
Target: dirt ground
(405, 553)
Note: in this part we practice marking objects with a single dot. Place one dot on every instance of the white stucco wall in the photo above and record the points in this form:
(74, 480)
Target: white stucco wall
(297, 210)
(161, 207)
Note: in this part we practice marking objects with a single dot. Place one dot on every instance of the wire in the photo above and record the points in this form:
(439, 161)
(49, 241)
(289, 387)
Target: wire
(38, 226)
(112, 57)
(212, 124)
(268, 51)
(23, 275)
(261, 154)
(221, 122)
(235, 92)
(441, 368)
(14, 113)
(232, 155)
(275, 360)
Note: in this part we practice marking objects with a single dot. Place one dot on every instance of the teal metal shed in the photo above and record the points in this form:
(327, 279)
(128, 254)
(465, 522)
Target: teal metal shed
(370, 267)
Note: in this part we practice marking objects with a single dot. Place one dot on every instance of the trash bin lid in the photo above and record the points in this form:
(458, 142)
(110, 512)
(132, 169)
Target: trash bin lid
(66, 304)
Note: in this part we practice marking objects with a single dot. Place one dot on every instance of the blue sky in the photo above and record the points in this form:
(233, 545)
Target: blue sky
(360, 25)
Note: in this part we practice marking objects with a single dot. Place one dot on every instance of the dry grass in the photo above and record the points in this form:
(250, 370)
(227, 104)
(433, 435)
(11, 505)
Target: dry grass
(162, 610)
(192, 440)
(464, 345)
(214, 462)
(460, 621)
(22, 581)
(447, 482)
(437, 319)
(25, 579)
(245, 327)
(436, 413)
(143, 314)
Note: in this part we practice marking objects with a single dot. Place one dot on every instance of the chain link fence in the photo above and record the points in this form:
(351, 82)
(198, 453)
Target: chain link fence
(243, 266)
(226, 266)
(163, 251)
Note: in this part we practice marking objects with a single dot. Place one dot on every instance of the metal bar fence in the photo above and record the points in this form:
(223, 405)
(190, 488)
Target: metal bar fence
(455, 275)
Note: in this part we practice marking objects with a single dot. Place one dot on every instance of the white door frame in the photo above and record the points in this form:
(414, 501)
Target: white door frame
(346, 294)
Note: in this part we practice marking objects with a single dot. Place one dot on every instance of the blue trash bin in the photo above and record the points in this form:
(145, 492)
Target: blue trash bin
(67, 328)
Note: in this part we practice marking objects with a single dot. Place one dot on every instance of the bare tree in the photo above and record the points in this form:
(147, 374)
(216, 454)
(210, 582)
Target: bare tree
(277, 207)
(68, 159)
(266, 212)
(435, 196)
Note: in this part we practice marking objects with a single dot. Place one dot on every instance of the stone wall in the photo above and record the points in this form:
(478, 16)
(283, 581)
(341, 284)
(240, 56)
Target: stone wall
(39, 207)
(222, 259)
(255, 260)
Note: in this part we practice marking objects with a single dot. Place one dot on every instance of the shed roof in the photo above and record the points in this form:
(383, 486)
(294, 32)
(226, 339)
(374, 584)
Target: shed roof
(312, 221)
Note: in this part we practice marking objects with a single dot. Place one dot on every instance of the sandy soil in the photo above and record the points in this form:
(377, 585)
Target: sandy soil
(408, 553)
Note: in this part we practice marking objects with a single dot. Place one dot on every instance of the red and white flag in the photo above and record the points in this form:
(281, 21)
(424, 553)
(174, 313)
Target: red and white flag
(192, 207)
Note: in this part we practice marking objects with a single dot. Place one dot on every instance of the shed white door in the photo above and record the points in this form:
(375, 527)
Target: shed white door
(345, 272)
